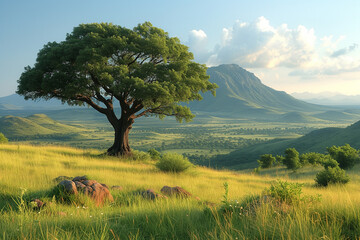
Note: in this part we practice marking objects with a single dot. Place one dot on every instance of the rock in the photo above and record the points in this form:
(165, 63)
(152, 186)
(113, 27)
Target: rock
(96, 191)
(89, 182)
(79, 185)
(80, 178)
(68, 186)
(151, 194)
(87, 190)
(101, 194)
(37, 204)
(175, 191)
(116, 187)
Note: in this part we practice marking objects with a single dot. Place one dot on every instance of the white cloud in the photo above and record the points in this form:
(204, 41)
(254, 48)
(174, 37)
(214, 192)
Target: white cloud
(198, 44)
(344, 51)
(260, 45)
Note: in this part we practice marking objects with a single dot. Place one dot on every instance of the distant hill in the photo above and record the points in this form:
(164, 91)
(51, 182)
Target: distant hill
(315, 141)
(35, 125)
(241, 93)
(336, 115)
(328, 98)
(297, 117)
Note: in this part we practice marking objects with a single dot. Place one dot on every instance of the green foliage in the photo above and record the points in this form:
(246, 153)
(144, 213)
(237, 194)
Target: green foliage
(140, 156)
(291, 160)
(313, 158)
(345, 155)
(266, 161)
(226, 194)
(279, 159)
(154, 154)
(284, 191)
(329, 162)
(172, 162)
(3, 139)
(331, 175)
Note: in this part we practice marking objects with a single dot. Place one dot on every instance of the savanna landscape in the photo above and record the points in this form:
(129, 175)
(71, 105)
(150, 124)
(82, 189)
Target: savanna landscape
(119, 131)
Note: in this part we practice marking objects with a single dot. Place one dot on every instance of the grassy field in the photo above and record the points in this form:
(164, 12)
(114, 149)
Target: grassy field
(28, 171)
(199, 140)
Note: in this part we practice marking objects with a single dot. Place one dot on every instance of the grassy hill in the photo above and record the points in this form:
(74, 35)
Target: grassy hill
(297, 117)
(336, 116)
(315, 141)
(30, 170)
(35, 125)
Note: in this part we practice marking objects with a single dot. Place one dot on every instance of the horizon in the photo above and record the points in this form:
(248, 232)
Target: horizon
(285, 49)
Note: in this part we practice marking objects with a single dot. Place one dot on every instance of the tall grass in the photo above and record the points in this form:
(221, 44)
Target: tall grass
(337, 216)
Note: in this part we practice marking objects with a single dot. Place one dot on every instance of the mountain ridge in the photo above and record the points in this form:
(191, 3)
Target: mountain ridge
(240, 92)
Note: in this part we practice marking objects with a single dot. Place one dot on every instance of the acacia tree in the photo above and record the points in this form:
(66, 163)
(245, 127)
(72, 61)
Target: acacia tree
(143, 70)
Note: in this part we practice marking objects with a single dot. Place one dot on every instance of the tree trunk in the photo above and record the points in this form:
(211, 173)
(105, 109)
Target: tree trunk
(121, 145)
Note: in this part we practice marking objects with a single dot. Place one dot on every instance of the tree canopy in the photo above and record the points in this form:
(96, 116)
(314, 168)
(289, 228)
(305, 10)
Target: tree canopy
(144, 70)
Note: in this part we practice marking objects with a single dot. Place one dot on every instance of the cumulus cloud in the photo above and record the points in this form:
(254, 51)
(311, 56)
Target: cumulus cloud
(258, 44)
(198, 41)
(344, 51)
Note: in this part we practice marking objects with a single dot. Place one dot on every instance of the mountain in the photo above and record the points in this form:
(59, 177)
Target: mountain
(241, 93)
(328, 98)
(35, 125)
(315, 141)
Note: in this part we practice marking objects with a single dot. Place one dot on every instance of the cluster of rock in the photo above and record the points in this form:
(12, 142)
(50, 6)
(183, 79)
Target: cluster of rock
(99, 192)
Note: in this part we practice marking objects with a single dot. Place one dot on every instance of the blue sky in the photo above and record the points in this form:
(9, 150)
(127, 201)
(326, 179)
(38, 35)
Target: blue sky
(294, 46)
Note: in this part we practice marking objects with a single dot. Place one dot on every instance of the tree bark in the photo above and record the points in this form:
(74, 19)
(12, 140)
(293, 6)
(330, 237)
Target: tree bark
(121, 145)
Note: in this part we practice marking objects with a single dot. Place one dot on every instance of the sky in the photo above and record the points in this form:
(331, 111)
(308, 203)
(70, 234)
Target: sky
(293, 46)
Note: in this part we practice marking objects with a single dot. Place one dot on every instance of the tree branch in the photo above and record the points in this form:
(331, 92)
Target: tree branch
(136, 58)
(91, 103)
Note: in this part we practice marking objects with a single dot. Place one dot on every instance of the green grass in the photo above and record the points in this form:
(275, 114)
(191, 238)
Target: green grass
(337, 216)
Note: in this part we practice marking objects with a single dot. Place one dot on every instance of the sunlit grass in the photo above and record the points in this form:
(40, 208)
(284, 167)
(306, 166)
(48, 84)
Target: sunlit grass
(131, 217)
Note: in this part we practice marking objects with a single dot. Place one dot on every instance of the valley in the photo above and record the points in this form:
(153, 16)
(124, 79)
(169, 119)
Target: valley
(245, 120)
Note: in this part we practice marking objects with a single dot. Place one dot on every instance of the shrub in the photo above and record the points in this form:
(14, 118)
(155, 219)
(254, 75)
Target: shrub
(266, 161)
(329, 162)
(3, 139)
(345, 155)
(154, 154)
(291, 160)
(286, 192)
(331, 175)
(140, 156)
(172, 162)
(313, 158)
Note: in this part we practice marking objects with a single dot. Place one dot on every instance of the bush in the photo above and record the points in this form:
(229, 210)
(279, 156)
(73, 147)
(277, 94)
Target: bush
(140, 156)
(3, 139)
(172, 162)
(345, 155)
(266, 161)
(330, 163)
(313, 158)
(286, 192)
(154, 154)
(291, 160)
(331, 175)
